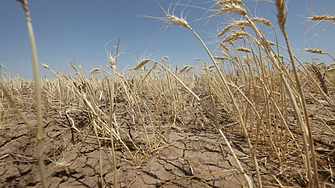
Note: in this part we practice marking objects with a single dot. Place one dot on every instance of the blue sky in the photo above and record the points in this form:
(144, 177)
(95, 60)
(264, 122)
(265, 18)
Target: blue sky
(68, 29)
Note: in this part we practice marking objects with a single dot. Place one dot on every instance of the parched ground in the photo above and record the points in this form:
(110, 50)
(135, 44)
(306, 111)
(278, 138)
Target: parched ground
(192, 154)
(189, 152)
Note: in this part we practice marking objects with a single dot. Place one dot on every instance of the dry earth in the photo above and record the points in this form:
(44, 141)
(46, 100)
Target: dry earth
(190, 155)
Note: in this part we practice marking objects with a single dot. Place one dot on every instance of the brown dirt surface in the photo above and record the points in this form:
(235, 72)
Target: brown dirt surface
(191, 154)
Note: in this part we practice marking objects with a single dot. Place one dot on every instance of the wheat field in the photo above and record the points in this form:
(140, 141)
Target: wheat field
(251, 116)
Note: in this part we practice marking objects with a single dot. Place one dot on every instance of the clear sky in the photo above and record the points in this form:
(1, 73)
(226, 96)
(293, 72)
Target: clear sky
(68, 29)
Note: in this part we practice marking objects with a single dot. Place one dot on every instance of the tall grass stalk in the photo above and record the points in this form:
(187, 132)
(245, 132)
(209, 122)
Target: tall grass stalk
(113, 63)
(38, 98)
(235, 105)
(282, 70)
(281, 16)
(269, 51)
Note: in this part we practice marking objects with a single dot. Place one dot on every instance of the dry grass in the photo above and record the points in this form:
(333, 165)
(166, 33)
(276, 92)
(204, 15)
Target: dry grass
(268, 101)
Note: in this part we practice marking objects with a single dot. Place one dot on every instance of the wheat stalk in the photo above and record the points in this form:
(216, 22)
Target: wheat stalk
(38, 98)
(281, 17)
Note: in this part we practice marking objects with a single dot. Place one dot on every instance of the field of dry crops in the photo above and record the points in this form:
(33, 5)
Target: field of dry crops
(250, 117)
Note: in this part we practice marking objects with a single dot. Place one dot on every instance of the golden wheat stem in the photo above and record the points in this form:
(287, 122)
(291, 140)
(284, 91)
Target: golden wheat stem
(38, 98)
(94, 124)
(269, 50)
(239, 114)
(111, 119)
(281, 21)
